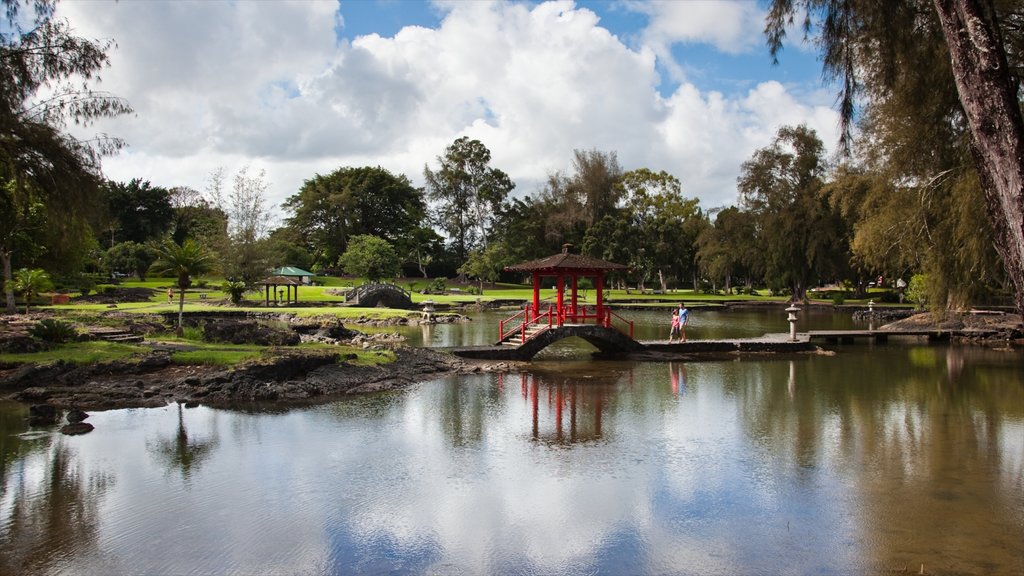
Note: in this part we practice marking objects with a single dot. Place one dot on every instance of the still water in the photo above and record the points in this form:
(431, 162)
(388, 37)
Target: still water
(877, 459)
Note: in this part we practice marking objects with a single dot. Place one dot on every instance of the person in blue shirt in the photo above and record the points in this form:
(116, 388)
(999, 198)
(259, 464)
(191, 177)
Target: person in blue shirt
(684, 319)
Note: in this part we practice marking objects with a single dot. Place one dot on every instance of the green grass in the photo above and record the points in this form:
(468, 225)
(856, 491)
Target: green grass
(220, 355)
(78, 353)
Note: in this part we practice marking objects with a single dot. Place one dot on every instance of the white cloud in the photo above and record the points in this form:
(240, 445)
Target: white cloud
(269, 84)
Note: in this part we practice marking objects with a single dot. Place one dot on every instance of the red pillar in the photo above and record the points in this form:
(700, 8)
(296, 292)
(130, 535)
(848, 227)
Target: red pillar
(574, 309)
(536, 294)
(561, 288)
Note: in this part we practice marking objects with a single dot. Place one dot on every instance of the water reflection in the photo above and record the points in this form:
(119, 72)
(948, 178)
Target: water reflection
(179, 452)
(50, 509)
(873, 460)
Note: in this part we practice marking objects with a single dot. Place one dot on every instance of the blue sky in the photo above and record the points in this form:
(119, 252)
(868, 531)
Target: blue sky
(305, 87)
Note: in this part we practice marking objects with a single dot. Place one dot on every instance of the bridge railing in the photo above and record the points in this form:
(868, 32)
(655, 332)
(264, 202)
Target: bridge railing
(613, 320)
(362, 290)
(519, 322)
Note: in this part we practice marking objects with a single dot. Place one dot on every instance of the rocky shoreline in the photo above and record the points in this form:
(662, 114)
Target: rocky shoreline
(290, 378)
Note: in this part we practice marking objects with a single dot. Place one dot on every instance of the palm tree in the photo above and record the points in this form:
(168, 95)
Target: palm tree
(31, 282)
(184, 260)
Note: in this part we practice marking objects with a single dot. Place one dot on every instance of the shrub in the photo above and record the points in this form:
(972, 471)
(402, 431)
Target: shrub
(439, 285)
(54, 331)
(838, 298)
(917, 290)
(235, 289)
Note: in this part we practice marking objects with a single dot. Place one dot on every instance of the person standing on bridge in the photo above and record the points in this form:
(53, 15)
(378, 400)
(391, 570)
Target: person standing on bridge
(674, 331)
(684, 319)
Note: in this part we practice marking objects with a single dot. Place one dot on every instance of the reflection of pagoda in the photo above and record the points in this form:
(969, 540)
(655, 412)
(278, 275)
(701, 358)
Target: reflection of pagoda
(563, 410)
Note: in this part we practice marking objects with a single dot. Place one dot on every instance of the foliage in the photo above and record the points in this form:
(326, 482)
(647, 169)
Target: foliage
(30, 282)
(137, 211)
(244, 252)
(53, 331)
(939, 86)
(467, 193)
(49, 177)
(183, 261)
(371, 257)
(484, 264)
(798, 231)
(917, 290)
(330, 209)
(235, 289)
(131, 257)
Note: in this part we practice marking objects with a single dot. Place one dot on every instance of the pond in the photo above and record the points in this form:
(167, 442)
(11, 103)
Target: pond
(879, 458)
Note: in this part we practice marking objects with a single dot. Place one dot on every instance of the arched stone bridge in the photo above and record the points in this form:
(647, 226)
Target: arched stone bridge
(607, 340)
(379, 294)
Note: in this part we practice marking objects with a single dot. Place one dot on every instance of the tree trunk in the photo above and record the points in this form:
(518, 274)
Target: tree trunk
(181, 311)
(989, 99)
(661, 281)
(12, 304)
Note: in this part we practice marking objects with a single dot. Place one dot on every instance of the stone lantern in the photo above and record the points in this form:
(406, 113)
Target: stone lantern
(792, 310)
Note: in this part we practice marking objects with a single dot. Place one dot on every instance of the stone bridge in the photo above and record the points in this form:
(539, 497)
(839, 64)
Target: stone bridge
(372, 295)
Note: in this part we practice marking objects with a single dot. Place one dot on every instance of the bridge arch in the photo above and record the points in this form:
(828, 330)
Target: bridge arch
(607, 340)
(380, 294)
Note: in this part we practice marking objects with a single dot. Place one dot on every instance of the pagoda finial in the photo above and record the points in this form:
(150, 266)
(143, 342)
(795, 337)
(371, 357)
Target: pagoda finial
(566, 248)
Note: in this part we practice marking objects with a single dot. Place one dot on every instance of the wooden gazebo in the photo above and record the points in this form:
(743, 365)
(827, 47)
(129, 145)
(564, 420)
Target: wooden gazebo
(567, 267)
(272, 289)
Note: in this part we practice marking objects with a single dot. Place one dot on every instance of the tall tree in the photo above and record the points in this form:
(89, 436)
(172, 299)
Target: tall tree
(331, 208)
(872, 47)
(142, 212)
(245, 254)
(798, 231)
(46, 77)
(664, 221)
(467, 193)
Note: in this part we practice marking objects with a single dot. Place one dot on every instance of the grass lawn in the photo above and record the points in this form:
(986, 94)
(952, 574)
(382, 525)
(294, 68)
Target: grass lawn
(193, 352)
(78, 353)
(198, 299)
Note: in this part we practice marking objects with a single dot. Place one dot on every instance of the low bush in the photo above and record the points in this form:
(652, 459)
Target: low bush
(53, 331)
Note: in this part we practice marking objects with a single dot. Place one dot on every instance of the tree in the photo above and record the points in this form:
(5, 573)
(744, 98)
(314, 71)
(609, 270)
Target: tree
(131, 257)
(245, 254)
(871, 47)
(799, 232)
(468, 193)
(197, 218)
(584, 198)
(141, 211)
(183, 261)
(30, 282)
(729, 248)
(665, 222)
(485, 264)
(45, 78)
(328, 209)
(370, 257)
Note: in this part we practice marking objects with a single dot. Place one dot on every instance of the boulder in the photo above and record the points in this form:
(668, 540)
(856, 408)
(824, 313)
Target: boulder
(74, 416)
(77, 428)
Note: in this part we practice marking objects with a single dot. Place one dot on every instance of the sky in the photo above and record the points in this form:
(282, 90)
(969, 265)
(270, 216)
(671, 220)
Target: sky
(300, 88)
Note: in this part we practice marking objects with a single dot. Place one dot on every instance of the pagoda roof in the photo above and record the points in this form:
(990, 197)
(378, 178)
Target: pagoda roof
(565, 262)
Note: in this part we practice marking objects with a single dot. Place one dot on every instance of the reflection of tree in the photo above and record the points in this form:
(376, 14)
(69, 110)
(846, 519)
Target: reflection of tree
(920, 436)
(51, 516)
(181, 452)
